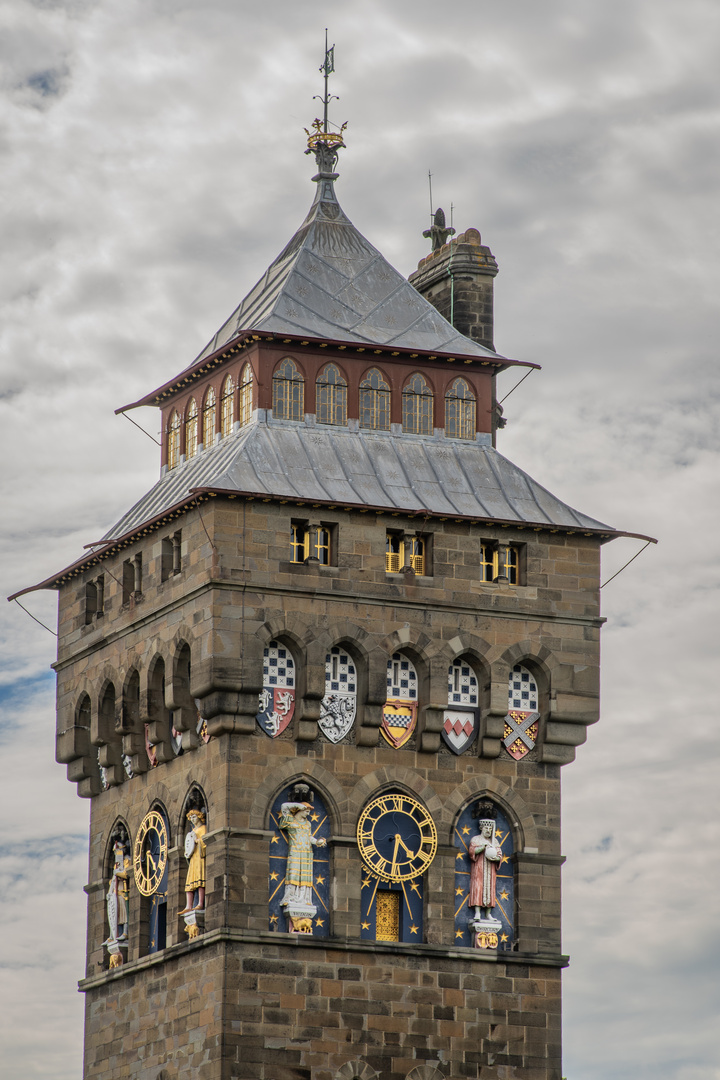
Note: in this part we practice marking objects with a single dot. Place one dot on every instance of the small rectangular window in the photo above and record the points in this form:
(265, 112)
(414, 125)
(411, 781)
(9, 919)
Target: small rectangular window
(308, 542)
(90, 602)
(394, 553)
(299, 543)
(500, 561)
(128, 580)
(400, 552)
(171, 558)
(388, 915)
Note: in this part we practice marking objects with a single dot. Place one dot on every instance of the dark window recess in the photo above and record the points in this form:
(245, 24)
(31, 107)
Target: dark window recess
(94, 599)
(132, 579)
(500, 562)
(171, 560)
(310, 542)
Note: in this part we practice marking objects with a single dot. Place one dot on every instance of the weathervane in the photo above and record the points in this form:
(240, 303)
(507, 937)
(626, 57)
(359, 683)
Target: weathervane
(322, 143)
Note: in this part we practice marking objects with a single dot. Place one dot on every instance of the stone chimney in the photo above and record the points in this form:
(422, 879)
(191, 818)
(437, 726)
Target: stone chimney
(457, 279)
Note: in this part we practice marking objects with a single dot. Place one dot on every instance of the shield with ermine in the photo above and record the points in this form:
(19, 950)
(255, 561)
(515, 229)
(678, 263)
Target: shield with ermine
(460, 726)
(398, 721)
(275, 710)
(521, 730)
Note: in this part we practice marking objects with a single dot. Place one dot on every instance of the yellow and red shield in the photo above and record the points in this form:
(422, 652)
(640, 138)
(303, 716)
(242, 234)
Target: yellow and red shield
(398, 721)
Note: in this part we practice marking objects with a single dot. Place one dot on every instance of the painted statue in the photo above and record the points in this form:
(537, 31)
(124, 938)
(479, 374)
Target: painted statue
(195, 854)
(117, 894)
(485, 856)
(298, 896)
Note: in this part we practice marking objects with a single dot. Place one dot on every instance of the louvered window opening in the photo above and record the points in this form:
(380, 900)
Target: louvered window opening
(191, 430)
(375, 402)
(306, 542)
(490, 563)
(331, 397)
(226, 407)
(209, 419)
(417, 406)
(395, 552)
(288, 392)
(460, 411)
(245, 396)
(173, 440)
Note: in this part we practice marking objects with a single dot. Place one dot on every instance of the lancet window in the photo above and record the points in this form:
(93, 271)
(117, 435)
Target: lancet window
(191, 430)
(375, 402)
(245, 395)
(288, 392)
(227, 399)
(331, 396)
(208, 426)
(417, 406)
(460, 408)
(173, 440)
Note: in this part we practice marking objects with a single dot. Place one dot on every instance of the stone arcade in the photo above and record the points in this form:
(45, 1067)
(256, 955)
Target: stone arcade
(319, 685)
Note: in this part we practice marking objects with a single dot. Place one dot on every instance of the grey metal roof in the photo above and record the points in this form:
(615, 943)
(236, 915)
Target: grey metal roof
(338, 465)
(330, 282)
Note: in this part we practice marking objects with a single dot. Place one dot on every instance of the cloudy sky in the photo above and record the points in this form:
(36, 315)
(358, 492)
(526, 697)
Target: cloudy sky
(152, 166)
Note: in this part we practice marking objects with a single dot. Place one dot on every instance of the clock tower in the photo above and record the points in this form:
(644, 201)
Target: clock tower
(319, 684)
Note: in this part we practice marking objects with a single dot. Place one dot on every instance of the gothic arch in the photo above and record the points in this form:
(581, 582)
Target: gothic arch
(111, 836)
(194, 789)
(518, 813)
(531, 651)
(425, 1072)
(356, 1070)
(308, 771)
(465, 643)
(291, 628)
(388, 777)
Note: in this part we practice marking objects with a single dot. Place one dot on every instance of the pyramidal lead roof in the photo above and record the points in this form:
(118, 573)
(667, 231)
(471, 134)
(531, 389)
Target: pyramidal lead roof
(331, 283)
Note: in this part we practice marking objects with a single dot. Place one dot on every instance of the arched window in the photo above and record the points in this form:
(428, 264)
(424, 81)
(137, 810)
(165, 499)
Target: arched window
(288, 392)
(246, 393)
(331, 396)
(400, 710)
(173, 440)
(191, 430)
(417, 402)
(339, 706)
(460, 723)
(523, 716)
(208, 424)
(459, 411)
(375, 402)
(227, 399)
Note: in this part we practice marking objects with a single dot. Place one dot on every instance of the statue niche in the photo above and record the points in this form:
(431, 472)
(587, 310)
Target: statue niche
(196, 827)
(299, 873)
(484, 879)
(116, 898)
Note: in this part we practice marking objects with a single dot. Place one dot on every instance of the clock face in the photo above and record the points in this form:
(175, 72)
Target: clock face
(150, 853)
(397, 837)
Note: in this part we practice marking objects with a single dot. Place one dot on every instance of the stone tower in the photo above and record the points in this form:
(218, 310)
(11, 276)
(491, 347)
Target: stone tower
(319, 684)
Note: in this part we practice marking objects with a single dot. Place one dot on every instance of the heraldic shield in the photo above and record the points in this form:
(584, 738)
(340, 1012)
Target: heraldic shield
(337, 715)
(398, 721)
(460, 727)
(521, 730)
(276, 709)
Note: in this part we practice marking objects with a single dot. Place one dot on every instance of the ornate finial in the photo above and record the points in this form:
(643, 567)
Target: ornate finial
(438, 232)
(322, 143)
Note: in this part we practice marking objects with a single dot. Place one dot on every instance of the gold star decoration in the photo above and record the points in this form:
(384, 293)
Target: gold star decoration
(365, 925)
(415, 887)
(274, 876)
(366, 883)
(319, 880)
(275, 840)
(466, 830)
(504, 896)
(504, 859)
(414, 929)
(459, 856)
(458, 933)
(459, 891)
(503, 937)
(315, 817)
(319, 922)
(273, 918)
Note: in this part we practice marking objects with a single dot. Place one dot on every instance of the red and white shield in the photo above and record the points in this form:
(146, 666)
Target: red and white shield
(521, 730)
(276, 708)
(398, 721)
(460, 726)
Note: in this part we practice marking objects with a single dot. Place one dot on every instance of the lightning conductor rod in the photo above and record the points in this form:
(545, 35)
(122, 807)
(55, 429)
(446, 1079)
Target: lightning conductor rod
(432, 212)
(328, 66)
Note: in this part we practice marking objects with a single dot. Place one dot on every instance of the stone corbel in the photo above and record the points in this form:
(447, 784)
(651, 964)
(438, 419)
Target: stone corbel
(230, 711)
(430, 725)
(368, 732)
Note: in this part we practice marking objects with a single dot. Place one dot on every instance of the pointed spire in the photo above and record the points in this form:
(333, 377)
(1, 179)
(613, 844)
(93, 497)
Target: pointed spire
(325, 144)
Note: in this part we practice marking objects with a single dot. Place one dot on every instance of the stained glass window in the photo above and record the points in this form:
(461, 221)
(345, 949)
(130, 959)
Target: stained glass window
(288, 392)
(208, 426)
(246, 392)
(375, 402)
(173, 440)
(331, 396)
(226, 406)
(191, 429)
(460, 411)
(417, 400)
(462, 684)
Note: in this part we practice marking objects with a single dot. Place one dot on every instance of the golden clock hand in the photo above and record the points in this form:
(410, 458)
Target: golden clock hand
(412, 854)
(394, 858)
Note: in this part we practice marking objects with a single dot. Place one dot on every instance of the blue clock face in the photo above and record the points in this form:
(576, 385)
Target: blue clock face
(396, 837)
